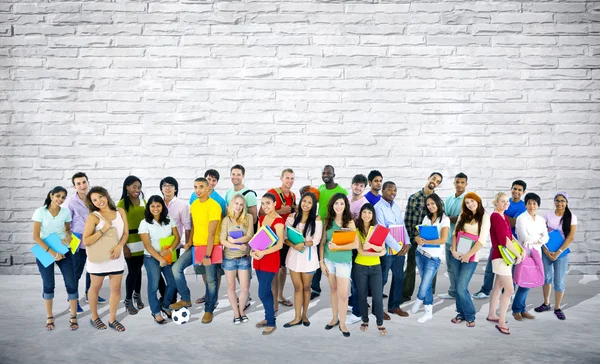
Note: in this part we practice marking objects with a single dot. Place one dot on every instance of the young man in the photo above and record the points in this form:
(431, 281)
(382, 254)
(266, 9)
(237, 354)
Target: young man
(285, 205)
(359, 182)
(415, 211)
(206, 220)
(516, 208)
(237, 174)
(388, 213)
(326, 191)
(453, 207)
(79, 213)
(375, 181)
(179, 210)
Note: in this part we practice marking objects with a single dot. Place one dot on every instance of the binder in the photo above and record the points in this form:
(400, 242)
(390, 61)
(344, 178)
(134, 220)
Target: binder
(377, 236)
(399, 234)
(165, 243)
(199, 252)
(507, 255)
(429, 232)
(343, 237)
(236, 235)
(464, 243)
(75, 240)
(55, 243)
(555, 242)
(294, 235)
(263, 239)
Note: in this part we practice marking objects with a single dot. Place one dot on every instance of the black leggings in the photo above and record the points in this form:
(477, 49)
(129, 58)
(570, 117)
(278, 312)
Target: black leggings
(133, 282)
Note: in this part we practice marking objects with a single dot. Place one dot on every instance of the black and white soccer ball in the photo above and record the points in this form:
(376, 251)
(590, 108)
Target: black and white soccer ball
(181, 316)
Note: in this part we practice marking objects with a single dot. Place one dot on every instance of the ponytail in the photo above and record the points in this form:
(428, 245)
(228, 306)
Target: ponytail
(566, 221)
(48, 200)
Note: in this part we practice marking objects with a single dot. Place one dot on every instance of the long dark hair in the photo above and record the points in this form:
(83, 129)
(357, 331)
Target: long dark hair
(438, 203)
(163, 218)
(128, 182)
(566, 219)
(53, 191)
(346, 215)
(309, 227)
(359, 222)
(467, 215)
(102, 192)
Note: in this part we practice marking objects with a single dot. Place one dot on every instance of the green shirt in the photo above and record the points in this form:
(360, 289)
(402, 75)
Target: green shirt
(250, 197)
(342, 256)
(324, 197)
(135, 215)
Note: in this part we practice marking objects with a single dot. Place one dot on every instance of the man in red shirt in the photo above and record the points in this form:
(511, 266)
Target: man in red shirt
(285, 205)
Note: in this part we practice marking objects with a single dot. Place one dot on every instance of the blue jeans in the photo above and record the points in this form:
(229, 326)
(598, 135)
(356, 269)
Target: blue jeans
(153, 269)
(556, 271)
(353, 299)
(427, 269)
(519, 302)
(463, 272)
(488, 277)
(396, 264)
(79, 259)
(450, 270)
(266, 295)
(212, 292)
(66, 268)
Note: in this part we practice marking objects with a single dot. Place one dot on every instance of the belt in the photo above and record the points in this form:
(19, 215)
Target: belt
(426, 254)
(242, 257)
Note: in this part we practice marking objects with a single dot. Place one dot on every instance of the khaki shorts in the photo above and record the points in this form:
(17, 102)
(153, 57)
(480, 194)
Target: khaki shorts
(500, 267)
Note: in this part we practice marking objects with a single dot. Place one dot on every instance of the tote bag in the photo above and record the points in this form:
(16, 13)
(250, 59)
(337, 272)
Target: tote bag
(99, 252)
(530, 273)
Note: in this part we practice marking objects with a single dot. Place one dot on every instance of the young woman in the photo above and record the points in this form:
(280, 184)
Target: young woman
(236, 258)
(158, 225)
(473, 220)
(501, 235)
(266, 262)
(302, 259)
(337, 260)
(53, 219)
(135, 208)
(104, 215)
(556, 266)
(533, 234)
(429, 254)
(367, 270)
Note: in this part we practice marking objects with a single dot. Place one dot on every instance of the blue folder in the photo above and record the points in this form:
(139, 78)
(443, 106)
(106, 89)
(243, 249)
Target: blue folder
(555, 242)
(429, 232)
(54, 242)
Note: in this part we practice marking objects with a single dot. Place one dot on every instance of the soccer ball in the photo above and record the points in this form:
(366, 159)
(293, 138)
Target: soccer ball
(181, 316)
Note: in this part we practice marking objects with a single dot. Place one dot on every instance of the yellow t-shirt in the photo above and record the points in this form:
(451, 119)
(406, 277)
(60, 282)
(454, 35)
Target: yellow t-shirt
(202, 214)
(363, 259)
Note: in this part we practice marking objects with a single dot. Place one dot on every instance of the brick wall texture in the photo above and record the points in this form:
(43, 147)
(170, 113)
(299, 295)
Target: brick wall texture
(500, 90)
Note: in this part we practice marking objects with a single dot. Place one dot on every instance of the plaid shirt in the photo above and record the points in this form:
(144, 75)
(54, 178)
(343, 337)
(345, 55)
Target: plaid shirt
(415, 212)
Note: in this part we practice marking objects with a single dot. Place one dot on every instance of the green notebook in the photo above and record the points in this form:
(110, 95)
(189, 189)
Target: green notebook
(294, 235)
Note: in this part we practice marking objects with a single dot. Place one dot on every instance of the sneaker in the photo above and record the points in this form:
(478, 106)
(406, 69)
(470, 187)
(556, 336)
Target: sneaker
(416, 306)
(543, 307)
(100, 300)
(428, 315)
(559, 314)
(447, 296)
(352, 319)
(314, 295)
(480, 295)
(79, 309)
(237, 320)
(179, 304)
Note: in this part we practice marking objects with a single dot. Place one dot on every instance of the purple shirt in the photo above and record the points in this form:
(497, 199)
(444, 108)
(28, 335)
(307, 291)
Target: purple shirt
(79, 213)
(179, 210)
(356, 205)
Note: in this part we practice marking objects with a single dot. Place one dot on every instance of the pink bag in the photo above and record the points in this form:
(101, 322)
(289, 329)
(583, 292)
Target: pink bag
(530, 273)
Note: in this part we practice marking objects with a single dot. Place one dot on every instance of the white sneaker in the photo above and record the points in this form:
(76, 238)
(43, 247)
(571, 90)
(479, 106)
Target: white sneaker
(446, 296)
(428, 315)
(351, 319)
(480, 295)
(416, 306)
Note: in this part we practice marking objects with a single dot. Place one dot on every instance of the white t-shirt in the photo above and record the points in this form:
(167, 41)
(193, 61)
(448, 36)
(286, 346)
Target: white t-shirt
(439, 250)
(156, 232)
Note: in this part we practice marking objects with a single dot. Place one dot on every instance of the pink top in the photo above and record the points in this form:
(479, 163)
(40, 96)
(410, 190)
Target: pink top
(307, 261)
(356, 205)
(179, 210)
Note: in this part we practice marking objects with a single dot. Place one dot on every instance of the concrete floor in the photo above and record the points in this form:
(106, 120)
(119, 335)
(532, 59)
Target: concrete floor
(23, 338)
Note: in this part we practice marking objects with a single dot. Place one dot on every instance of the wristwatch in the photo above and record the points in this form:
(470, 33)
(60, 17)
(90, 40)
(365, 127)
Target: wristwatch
(207, 256)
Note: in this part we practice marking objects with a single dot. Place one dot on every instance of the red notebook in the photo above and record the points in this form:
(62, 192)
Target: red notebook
(378, 236)
(199, 252)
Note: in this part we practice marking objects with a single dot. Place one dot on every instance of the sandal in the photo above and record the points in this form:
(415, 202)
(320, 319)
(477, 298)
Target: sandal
(50, 325)
(201, 300)
(73, 325)
(457, 320)
(503, 330)
(98, 324)
(543, 307)
(364, 326)
(382, 330)
(130, 307)
(117, 326)
(167, 313)
(559, 314)
(286, 302)
(161, 322)
(470, 323)
(138, 301)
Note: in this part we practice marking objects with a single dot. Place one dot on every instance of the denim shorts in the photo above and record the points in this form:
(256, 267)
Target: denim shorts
(341, 270)
(236, 264)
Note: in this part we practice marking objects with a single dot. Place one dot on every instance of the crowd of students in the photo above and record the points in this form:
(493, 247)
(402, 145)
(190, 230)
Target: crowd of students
(217, 226)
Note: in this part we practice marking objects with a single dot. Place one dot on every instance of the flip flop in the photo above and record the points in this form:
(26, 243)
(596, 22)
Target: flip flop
(200, 300)
(503, 330)
(490, 320)
(286, 303)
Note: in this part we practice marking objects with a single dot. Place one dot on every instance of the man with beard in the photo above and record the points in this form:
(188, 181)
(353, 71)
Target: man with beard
(415, 211)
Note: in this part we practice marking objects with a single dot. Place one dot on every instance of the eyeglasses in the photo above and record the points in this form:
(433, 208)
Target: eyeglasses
(560, 201)
(166, 185)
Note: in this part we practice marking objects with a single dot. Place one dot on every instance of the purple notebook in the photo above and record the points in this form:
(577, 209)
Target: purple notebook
(236, 235)
(261, 240)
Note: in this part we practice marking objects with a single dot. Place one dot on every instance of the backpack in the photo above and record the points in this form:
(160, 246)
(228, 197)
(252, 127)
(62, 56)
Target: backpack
(530, 273)
(282, 198)
(255, 195)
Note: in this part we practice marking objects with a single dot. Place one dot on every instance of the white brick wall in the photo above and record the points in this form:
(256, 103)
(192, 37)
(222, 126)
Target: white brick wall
(498, 90)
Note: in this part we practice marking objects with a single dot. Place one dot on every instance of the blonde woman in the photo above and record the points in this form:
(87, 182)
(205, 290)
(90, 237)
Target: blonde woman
(236, 231)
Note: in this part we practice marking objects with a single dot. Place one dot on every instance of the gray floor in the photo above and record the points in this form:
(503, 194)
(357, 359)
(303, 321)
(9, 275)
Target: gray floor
(546, 339)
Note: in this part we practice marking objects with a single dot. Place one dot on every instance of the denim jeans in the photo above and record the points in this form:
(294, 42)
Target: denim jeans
(450, 270)
(353, 300)
(556, 271)
(519, 302)
(408, 287)
(488, 277)
(369, 277)
(266, 295)
(153, 269)
(315, 285)
(396, 264)
(79, 259)
(428, 267)
(212, 293)
(133, 282)
(66, 268)
(463, 272)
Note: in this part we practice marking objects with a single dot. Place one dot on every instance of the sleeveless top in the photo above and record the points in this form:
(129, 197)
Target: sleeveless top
(113, 265)
(270, 262)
